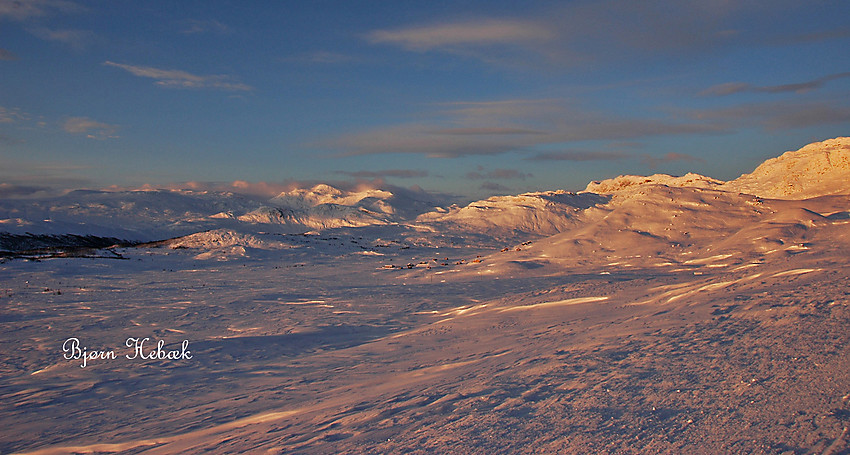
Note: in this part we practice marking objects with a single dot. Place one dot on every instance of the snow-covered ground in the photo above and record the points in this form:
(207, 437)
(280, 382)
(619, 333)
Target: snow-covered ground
(651, 315)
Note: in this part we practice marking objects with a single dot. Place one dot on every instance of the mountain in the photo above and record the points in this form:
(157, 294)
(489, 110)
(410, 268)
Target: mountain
(788, 205)
(818, 169)
(142, 215)
(658, 215)
(626, 181)
(539, 213)
(158, 214)
(671, 228)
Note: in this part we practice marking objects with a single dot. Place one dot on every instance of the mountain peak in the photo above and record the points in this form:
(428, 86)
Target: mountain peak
(818, 169)
(626, 181)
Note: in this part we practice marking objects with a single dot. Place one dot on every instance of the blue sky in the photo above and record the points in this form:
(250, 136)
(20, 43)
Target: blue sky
(467, 98)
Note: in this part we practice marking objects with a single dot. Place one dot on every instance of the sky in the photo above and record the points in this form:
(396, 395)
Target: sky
(463, 98)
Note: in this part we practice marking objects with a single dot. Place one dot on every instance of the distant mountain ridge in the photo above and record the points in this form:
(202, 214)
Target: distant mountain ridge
(818, 169)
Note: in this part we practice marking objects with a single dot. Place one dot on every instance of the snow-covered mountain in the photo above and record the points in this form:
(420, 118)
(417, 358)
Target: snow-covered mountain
(626, 181)
(142, 215)
(648, 214)
(817, 169)
(158, 214)
(535, 214)
(788, 205)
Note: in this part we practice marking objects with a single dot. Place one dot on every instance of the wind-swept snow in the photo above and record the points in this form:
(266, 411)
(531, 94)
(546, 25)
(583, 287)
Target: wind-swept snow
(668, 315)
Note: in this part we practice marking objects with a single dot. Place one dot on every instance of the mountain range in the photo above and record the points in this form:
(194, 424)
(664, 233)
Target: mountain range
(642, 214)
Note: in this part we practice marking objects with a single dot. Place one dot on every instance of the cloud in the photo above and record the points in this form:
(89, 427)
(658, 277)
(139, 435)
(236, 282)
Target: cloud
(182, 79)
(9, 140)
(91, 128)
(262, 190)
(76, 39)
(577, 33)
(494, 127)
(12, 115)
(775, 115)
(7, 55)
(195, 26)
(422, 139)
(329, 57)
(11, 190)
(478, 32)
(21, 10)
(22, 178)
(492, 186)
(731, 88)
(655, 161)
(398, 173)
(265, 190)
(576, 155)
(815, 36)
(486, 131)
(498, 174)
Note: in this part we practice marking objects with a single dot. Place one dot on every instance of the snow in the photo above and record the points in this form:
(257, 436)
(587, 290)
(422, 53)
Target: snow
(668, 315)
(540, 213)
(626, 181)
(818, 169)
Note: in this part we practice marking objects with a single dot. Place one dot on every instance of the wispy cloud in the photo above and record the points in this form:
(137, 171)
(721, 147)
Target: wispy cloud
(9, 140)
(423, 139)
(397, 173)
(21, 178)
(493, 186)
(475, 33)
(91, 128)
(815, 36)
(21, 10)
(329, 57)
(655, 161)
(579, 155)
(497, 174)
(12, 115)
(182, 79)
(11, 190)
(76, 39)
(731, 88)
(488, 128)
(775, 115)
(197, 26)
(6, 54)
(571, 34)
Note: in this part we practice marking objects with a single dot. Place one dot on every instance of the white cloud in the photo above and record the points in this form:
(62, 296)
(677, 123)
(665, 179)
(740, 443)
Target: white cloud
(576, 33)
(76, 39)
(182, 79)
(481, 32)
(91, 128)
(23, 10)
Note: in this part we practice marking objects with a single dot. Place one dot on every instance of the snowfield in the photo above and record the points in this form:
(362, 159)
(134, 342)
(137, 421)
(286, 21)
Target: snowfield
(645, 315)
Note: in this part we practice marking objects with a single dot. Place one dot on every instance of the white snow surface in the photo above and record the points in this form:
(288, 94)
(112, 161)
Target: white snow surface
(667, 315)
